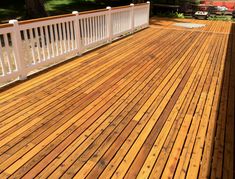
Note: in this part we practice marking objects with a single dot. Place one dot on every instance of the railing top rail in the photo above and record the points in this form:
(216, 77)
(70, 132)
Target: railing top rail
(66, 15)
(52, 17)
(5, 25)
(120, 7)
(141, 4)
(59, 16)
(93, 11)
(45, 19)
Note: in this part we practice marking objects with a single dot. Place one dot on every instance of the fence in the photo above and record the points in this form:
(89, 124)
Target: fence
(29, 46)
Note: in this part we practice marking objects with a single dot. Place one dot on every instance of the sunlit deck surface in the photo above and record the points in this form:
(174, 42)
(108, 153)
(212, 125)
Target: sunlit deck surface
(159, 103)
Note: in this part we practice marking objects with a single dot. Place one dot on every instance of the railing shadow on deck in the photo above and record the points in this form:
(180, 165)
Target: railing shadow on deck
(221, 162)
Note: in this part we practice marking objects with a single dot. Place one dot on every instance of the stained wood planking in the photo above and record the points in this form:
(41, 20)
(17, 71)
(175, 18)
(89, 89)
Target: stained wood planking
(143, 106)
(156, 148)
(103, 158)
(185, 157)
(224, 130)
(105, 145)
(158, 111)
(210, 26)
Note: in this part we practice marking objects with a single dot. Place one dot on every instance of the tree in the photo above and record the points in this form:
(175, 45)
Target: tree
(35, 9)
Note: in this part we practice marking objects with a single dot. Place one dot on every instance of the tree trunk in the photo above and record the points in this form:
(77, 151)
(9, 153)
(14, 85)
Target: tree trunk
(35, 9)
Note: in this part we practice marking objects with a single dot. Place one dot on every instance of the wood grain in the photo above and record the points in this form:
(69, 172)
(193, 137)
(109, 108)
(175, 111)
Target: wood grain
(158, 103)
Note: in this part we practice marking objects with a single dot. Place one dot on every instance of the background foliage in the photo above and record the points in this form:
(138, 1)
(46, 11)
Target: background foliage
(15, 9)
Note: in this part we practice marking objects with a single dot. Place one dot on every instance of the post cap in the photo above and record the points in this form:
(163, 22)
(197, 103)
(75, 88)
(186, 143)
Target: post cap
(131, 4)
(13, 21)
(108, 7)
(75, 12)
(148, 2)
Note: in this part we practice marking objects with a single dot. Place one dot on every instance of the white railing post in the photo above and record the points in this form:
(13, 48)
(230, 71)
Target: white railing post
(18, 51)
(148, 2)
(110, 27)
(132, 18)
(77, 33)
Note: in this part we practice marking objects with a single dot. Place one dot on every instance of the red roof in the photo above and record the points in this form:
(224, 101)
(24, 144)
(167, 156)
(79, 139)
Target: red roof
(228, 4)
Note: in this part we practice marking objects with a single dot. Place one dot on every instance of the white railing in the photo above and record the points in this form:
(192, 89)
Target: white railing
(93, 29)
(29, 46)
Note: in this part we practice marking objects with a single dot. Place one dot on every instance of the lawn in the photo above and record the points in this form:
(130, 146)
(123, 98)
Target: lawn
(67, 6)
(15, 9)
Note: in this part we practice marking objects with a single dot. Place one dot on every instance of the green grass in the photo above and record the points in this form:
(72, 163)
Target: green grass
(11, 9)
(15, 9)
(5, 12)
(53, 5)
(221, 18)
(171, 14)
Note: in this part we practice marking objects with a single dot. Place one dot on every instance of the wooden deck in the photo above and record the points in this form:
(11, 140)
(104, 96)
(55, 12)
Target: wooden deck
(156, 104)
(220, 27)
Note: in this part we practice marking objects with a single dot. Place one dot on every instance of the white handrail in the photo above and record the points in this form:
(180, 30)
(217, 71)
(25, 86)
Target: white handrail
(30, 46)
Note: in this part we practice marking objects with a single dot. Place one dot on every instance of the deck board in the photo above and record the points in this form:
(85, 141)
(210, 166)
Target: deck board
(159, 103)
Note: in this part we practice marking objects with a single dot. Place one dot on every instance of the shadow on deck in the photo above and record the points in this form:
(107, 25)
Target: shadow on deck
(223, 163)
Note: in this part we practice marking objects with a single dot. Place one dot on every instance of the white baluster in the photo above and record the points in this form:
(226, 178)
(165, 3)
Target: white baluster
(93, 29)
(99, 31)
(28, 45)
(82, 31)
(96, 28)
(77, 33)
(8, 52)
(56, 39)
(132, 18)
(47, 42)
(68, 34)
(42, 42)
(72, 35)
(52, 40)
(32, 43)
(60, 39)
(64, 37)
(102, 27)
(148, 12)
(2, 61)
(17, 45)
